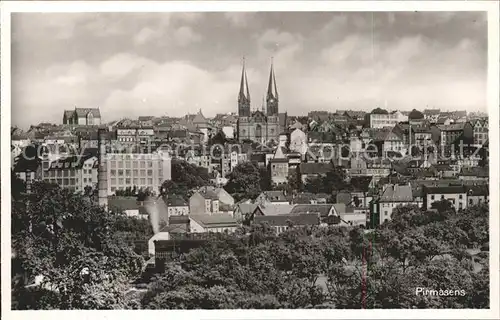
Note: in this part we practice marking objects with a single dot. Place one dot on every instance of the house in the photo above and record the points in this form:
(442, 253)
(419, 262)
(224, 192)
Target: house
(451, 134)
(313, 170)
(474, 174)
(308, 198)
(324, 210)
(206, 201)
(72, 172)
(480, 131)
(354, 217)
(176, 206)
(456, 195)
(477, 195)
(281, 223)
(380, 118)
(392, 196)
(272, 210)
(212, 223)
(298, 141)
(133, 208)
(222, 194)
(243, 210)
(272, 197)
(422, 137)
(166, 233)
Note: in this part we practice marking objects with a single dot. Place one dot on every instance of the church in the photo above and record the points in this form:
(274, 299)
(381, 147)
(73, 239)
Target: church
(263, 126)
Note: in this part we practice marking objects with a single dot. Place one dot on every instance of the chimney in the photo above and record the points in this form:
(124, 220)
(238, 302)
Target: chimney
(102, 172)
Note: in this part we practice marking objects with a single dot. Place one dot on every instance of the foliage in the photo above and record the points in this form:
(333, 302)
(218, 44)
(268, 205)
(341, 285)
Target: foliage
(244, 181)
(71, 243)
(335, 267)
(185, 177)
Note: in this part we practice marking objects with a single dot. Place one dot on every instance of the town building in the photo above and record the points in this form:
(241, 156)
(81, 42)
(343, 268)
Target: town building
(176, 206)
(140, 170)
(456, 195)
(82, 116)
(204, 202)
(281, 223)
(221, 223)
(480, 131)
(452, 133)
(379, 118)
(391, 197)
(73, 172)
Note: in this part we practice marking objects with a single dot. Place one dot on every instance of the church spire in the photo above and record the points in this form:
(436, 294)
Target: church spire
(244, 95)
(272, 91)
(244, 91)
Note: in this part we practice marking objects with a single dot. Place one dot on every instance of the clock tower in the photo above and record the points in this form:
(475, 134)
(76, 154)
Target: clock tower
(272, 95)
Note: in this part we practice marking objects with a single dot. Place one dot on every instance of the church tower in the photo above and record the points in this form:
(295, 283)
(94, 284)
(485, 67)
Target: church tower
(244, 95)
(272, 94)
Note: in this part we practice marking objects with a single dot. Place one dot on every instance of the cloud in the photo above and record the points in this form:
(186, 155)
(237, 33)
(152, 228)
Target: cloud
(239, 19)
(176, 63)
(146, 35)
(121, 65)
(185, 36)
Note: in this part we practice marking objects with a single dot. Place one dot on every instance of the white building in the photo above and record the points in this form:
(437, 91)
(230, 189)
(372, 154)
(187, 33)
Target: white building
(379, 120)
(144, 171)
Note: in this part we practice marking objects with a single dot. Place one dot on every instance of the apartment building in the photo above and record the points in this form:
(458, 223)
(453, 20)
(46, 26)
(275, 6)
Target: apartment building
(73, 172)
(381, 120)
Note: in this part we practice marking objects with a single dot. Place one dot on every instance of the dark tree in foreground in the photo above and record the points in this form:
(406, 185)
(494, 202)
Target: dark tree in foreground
(71, 245)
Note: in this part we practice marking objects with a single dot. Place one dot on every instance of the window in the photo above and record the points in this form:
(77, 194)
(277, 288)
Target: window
(135, 164)
(150, 173)
(460, 196)
(386, 213)
(143, 164)
(150, 181)
(432, 197)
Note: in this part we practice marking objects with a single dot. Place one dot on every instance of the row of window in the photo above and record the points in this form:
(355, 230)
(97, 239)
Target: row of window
(134, 181)
(131, 164)
(133, 173)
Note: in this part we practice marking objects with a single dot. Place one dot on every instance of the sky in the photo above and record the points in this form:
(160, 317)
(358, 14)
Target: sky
(136, 64)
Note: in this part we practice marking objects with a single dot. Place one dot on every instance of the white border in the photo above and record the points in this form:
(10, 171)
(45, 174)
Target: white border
(186, 6)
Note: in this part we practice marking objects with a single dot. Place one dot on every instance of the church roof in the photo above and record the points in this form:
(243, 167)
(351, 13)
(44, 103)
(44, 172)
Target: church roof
(83, 112)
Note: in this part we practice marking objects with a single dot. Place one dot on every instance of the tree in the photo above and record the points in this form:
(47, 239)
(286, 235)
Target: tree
(70, 242)
(244, 181)
(442, 206)
(218, 138)
(265, 179)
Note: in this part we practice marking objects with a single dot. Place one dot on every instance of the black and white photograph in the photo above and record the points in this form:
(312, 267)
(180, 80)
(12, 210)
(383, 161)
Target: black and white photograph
(204, 159)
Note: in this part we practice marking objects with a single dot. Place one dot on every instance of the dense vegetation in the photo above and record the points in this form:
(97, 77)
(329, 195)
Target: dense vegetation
(87, 264)
(336, 267)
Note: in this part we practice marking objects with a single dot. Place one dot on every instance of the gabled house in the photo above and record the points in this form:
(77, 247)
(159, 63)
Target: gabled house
(204, 202)
(176, 206)
(391, 196)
